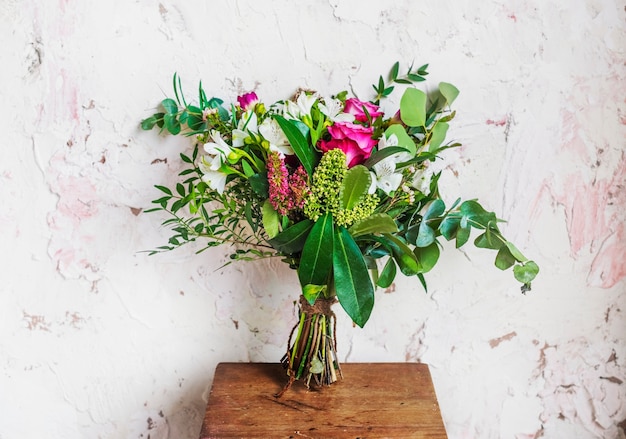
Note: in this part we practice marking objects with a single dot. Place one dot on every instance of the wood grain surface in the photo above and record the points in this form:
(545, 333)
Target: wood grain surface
(374, 400)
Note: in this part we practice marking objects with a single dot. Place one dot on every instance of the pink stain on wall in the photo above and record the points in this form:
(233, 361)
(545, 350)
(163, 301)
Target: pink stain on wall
(499, 123)
(594, 207)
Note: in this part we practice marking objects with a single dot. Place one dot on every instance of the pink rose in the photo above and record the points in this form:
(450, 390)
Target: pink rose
(355, 107)
(248, 101)
(354, 140)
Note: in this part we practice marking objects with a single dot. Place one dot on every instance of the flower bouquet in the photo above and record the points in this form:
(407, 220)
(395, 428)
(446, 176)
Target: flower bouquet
(342, 191)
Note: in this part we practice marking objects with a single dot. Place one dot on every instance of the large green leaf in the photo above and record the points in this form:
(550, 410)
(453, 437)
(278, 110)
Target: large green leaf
(304, 151)
(413, 107)
(354, 186)
(353, 285)
(317, 255)
(292, 239)
(375, 223)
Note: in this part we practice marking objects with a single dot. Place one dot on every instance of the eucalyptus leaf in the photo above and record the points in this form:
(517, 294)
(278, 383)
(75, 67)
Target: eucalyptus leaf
(527, 272)
(170, 106)
(462, 236)
(413, 107)
(438, 136)
(403, 255)
(404, 140)
(515, 252)
(448, 91)
(504, 258)
(427, 256)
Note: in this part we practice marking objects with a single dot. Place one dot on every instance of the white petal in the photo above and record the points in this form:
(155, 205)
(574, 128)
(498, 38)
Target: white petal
(390, 182)
(216, 180)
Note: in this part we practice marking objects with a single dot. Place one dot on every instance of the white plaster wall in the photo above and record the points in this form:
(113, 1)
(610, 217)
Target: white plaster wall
(98, 340)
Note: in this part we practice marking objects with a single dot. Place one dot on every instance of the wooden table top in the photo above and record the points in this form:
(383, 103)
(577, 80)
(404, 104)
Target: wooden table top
(374, 400)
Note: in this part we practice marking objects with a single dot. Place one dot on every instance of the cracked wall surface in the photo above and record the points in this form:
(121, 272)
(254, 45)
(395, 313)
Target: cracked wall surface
(100, 340)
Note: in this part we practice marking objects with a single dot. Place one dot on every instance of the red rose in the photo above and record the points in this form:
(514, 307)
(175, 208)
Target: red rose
(354, 140)
(355, 107)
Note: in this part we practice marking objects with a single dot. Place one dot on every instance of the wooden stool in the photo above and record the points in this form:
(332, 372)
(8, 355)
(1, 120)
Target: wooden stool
(374, 400)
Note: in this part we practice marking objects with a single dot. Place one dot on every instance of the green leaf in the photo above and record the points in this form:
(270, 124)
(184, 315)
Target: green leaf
(462, 236)
(426, 235)
(404, 256)
(488, 240)
(311, 292)
(353, 285)
(388, 274)
(383, 154)
(393, 74)
(170, 106)
(354, 186)
(527, 272)
(270, 219)
(449, 226)
(504, 258)
(247, 169)
(427, 256)
(448, 91)
(317, 255)
(299, 143)
(375, 223)
(259, 184)
(515, 252)
(438, 135)
(413, 107)
(171, 123)
(292, 239)
(404, 140)
(163, 189)
(148, 123)
(477, 215)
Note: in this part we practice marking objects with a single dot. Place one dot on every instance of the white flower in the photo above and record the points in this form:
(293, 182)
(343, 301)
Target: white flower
(218, 146)
(246, 125)
(270, 130)
(209, 166)
(333, 109)
(385, 176)
(421, 180)
(302, 106)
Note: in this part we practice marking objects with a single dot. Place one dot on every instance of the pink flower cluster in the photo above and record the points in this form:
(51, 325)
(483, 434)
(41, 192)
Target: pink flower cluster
(286, 192)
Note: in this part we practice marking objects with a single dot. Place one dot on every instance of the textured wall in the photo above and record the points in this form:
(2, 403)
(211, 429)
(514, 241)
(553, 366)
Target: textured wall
(98, 340)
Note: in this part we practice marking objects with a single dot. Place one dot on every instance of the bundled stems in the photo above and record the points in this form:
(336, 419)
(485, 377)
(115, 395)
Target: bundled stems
(313, 355)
